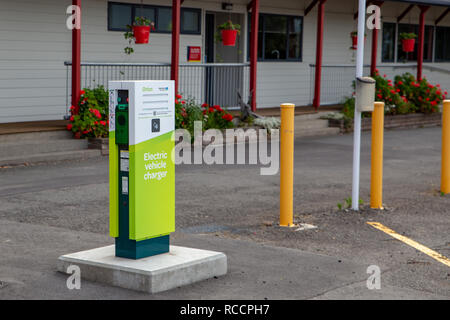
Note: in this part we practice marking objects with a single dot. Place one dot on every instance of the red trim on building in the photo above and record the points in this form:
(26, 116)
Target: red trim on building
(423, 10)
(319, 53)
(254, 52)
(373, 64)
(176, 15)
(76, 61)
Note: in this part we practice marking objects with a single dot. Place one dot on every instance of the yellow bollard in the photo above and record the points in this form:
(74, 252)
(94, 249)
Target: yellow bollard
(376, 179)
(287, 165)
(445, 162)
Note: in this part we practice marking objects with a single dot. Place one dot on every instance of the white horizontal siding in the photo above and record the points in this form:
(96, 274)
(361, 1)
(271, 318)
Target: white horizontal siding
(34, 43)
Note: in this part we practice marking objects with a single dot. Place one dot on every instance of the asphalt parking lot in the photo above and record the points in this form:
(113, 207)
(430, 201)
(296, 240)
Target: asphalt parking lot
(56, 208)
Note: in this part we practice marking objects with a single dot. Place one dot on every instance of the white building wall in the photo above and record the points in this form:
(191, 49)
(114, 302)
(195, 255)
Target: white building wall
(34, 43)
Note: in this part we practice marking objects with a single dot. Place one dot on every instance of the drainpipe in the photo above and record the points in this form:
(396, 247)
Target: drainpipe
(319, 51)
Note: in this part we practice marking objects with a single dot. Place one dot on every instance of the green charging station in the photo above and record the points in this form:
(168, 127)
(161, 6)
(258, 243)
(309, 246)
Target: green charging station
(141, 167)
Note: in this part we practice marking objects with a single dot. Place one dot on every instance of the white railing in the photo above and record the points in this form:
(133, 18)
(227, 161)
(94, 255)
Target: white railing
(213, 83)
(337, 79)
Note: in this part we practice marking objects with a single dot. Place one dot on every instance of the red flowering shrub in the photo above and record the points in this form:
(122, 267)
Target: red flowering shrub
(212, 117)
(391, 95)
(405, 95)
(92, 118)
(424, 97)
(216, 118)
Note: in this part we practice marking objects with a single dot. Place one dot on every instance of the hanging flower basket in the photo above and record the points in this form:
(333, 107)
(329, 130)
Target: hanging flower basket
(228, 33)
(229, 37)
(408, 41)
(354, 36)
(141, 34)
(354, 42)
(408, 45)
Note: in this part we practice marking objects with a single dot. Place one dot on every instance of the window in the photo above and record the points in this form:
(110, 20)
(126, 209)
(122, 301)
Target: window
(279, 37)
(442, 44)
(190, 21)
(390, 41)
(122, 14)
(388, 44)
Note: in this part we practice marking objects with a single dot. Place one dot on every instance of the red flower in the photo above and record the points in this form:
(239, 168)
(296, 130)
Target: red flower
(227, 117)
(183, 102)
(72, 108)
(96, 122)
(176, 101)
(71, 118)
(379, 96)
(433, 103)
(82, 92)
(205, 105)
(179, 96)
(400, 82)
(85, 132)
(210, 110)
(69, 127)
(218, 108)
(103, 123)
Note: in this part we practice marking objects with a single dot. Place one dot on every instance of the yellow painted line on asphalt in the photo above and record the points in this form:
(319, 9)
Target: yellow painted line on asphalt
(435, 255)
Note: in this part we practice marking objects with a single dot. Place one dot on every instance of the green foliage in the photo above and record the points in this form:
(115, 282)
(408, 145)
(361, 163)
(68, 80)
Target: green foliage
(229, 26)
(422, 96)
(212, 117)
(405, 95)
(268, 123)
(406, 35)
(348, 203)
(92, 118)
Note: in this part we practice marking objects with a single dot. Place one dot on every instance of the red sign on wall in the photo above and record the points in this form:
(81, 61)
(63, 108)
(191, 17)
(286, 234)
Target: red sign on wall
(194, 54)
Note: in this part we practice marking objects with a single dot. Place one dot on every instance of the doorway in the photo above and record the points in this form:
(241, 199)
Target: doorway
(224, 78)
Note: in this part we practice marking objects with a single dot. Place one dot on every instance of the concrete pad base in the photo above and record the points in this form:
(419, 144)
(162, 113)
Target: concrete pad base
(179, 267)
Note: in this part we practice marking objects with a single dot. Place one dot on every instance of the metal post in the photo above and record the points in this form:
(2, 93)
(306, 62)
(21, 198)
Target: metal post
(287, 165)
(445, 162)
(176, 5)
(376, 178)
(76, 60)
(357, 120)
(319, 54)
(254, 52)
(423, 10)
